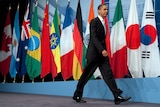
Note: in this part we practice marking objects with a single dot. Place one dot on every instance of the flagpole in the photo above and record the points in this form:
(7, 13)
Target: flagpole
(14, 80)
(32, 80)
(18, 6)
(42, 79)
(69, 2)
(56, 3)
(36, 3)
(4, 80)
(23, 78)
(10, 7)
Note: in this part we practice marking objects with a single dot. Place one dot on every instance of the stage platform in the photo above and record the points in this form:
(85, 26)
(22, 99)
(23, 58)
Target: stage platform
(142, 90)
(32, 100)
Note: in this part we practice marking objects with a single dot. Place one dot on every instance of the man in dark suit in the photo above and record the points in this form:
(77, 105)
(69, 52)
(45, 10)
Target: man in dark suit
(97, 56)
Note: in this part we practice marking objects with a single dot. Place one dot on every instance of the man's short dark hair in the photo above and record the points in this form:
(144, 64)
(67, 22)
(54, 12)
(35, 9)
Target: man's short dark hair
(99, 7)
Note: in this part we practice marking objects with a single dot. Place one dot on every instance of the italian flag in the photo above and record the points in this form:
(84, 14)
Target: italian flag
(118, 44)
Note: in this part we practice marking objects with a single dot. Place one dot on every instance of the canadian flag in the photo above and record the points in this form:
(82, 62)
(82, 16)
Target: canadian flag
(5, 49)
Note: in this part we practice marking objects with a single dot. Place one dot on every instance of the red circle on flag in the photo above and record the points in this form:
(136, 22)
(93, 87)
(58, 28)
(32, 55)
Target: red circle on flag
(150, 31)
(133, 36)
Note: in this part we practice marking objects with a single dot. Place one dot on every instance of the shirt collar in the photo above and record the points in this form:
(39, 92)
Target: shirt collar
(101, 19)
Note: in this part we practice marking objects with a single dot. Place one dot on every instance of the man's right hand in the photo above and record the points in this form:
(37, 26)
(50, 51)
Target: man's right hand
(104, 53)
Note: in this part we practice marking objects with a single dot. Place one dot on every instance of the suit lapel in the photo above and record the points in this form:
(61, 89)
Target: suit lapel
(100, 24)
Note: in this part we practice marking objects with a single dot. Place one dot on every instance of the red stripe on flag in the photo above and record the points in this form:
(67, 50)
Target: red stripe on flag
(67, 65)
(78, 42)
(118, 66)
(5, 49)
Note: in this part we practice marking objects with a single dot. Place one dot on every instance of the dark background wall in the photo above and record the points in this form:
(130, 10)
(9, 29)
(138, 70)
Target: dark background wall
(4, 5)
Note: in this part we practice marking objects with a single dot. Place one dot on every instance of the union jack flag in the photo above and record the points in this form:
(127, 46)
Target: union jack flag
(23, 46)
(26, 26)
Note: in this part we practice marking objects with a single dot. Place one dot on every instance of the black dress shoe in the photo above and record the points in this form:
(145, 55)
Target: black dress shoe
(78, 99)
(120, 99)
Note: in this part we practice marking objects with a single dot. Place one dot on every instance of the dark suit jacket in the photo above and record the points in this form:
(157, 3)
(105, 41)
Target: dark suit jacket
(97, 40)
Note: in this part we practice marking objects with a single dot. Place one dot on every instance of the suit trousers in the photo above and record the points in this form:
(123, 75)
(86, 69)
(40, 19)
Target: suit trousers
(105, 69)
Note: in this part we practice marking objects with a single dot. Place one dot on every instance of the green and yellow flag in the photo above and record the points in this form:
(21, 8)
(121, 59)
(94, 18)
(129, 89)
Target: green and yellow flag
(55, 42)
(33, 58)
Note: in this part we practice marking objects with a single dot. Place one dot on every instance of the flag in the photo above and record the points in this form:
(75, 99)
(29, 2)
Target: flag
(78, 44)
(86, 38)
(23, 45)
(107, 36)
(45, 45)
(87, 32)
(103, 1)
(55, 43)
(33, 57)
(118, 44)
(149, 42)
(108, 44)
(66, 46)
(133, 42)
(15, 44)
(5, 49)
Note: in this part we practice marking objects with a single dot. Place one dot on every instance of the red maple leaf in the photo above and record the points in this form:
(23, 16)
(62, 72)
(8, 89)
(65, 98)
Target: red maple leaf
(6, 40)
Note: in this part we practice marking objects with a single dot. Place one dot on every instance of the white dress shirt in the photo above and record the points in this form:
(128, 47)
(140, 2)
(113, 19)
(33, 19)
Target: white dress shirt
(103, 22)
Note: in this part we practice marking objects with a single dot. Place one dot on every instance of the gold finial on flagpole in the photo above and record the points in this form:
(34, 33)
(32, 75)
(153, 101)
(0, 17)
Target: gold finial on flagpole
(18, 6)
(56, 2)
(9, 6)
(28, 4)
(69, 1)
(36, 3)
